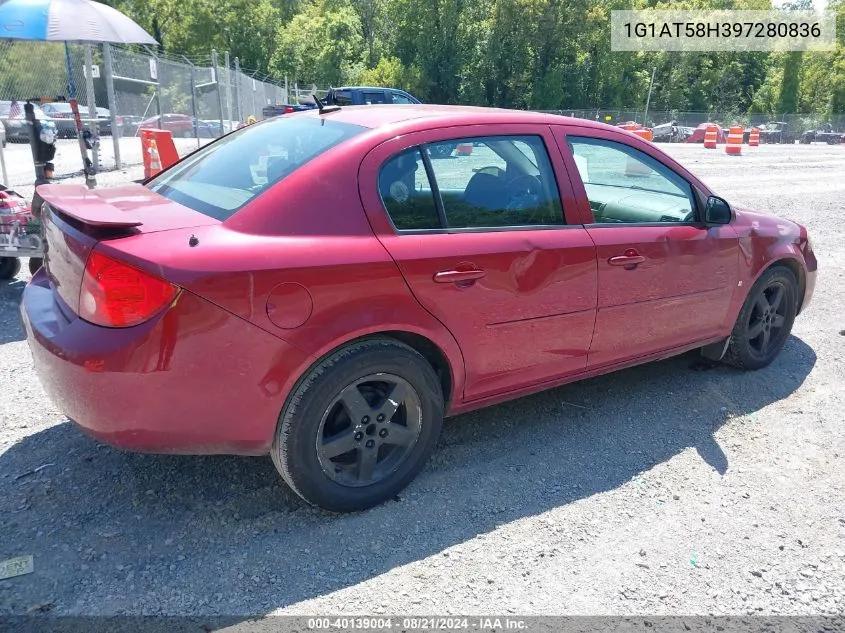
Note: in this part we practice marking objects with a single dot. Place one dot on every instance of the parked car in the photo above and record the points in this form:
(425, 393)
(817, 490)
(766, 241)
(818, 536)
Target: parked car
(104, 121)
(671, 132)
(825, 135)
(776, 132)
(368, 95)
(14, 123)
(178, 124)
(128, 124)
(62, 113)
(320, 288)
(345, 96)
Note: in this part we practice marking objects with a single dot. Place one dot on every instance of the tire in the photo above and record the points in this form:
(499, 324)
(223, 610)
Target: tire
(187, 134)
(34, 264)
(756, 339)
(338, 483)
(9, 267)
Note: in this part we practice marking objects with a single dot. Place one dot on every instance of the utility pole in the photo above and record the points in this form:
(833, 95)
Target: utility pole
(648, 99)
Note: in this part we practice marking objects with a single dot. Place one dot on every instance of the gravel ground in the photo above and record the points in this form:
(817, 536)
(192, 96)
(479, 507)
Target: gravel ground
(665, 489)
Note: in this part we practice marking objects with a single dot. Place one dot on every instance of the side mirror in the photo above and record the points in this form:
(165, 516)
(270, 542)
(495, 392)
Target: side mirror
(717, 211)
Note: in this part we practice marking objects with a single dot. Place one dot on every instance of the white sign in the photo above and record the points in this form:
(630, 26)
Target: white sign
(153, 70)
(95, 71)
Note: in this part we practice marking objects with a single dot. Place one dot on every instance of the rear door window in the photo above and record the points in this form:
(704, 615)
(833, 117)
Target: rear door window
(398, 97)
(223, 176)
(504, 181)
(343, 97)
(374, 96)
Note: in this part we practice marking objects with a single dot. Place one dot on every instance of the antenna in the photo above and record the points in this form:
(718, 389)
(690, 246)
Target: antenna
(321, 107)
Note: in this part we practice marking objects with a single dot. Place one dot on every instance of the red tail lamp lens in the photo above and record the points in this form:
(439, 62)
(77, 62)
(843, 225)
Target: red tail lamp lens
(115, 294)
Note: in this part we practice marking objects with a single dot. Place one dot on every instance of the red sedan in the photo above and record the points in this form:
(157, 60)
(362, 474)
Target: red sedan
(322, 288)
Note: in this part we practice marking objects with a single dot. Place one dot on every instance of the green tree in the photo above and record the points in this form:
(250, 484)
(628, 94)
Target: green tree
(321, 44)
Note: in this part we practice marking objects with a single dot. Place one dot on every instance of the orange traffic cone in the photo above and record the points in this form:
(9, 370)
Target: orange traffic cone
(734, 144)
(754, 137)
(155, 158)
(711, 137)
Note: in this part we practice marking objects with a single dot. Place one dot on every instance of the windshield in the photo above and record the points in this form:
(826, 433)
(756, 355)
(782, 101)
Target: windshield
(222, 177)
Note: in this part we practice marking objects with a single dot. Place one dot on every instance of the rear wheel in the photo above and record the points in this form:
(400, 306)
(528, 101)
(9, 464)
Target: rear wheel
(9, 267)
(765, 321)
(360, 426)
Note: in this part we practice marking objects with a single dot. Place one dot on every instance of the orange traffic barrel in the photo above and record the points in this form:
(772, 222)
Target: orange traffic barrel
(711, 137)
(754, 137)
(157, 144)
(464, 149)
(734, 145)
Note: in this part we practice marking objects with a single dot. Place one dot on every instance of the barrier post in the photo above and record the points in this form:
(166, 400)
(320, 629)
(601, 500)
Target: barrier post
(734, 145)
(711, 137)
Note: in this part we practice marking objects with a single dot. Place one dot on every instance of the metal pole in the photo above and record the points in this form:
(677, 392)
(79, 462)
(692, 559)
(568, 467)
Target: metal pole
(90, 178)
(228, 88)
(238, 111)
(254, 109)
(157, 85)
(109, 70)
(3, 166)
(194, 100)
(648, 99)
(216, 79)
(29, 115)
(92, 107)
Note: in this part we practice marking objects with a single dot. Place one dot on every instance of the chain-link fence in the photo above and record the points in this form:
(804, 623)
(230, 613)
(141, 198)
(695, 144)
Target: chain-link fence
(195, 99)
(797, 123)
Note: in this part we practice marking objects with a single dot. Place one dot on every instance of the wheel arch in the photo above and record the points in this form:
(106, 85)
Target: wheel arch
(434, 354)
(795, 267)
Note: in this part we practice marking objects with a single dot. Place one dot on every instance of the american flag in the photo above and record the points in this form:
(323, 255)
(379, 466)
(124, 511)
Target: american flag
(14, 110)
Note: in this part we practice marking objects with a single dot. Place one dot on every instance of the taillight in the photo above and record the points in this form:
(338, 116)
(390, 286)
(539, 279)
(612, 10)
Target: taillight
(115, 294)
(288, 109)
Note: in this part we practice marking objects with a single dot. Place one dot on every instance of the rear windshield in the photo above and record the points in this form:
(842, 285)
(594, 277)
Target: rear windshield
(222, 177)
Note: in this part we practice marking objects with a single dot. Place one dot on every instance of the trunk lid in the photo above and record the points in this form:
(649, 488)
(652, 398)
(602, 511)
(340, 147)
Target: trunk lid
(78, 218)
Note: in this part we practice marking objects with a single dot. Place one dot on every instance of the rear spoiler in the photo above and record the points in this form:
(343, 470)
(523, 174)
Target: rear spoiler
(86, 206)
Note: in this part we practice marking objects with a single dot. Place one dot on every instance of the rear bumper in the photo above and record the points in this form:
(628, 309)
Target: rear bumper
(194, 380)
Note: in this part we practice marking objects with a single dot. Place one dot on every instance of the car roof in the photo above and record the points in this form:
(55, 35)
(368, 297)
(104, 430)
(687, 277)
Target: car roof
(368, 88)
(431, 115)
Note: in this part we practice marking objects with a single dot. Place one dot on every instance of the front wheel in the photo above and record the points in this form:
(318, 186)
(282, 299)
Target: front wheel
(765, 321)
(360, 426)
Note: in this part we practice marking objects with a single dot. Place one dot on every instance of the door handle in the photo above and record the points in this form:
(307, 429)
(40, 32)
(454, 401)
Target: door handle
(629, 260)
(457, 276)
